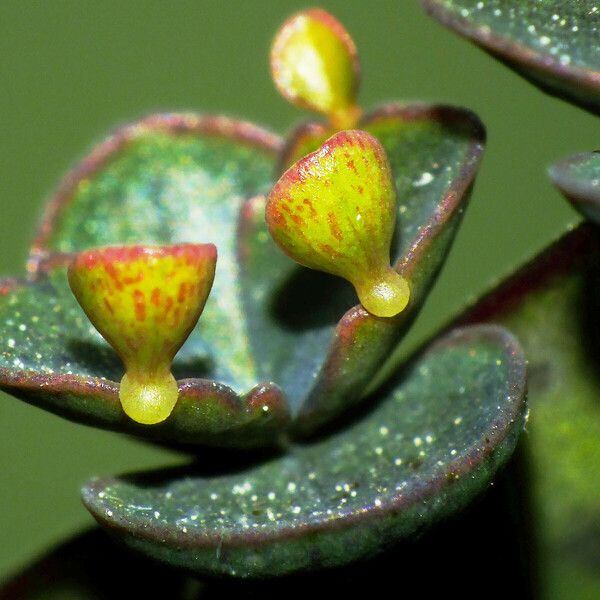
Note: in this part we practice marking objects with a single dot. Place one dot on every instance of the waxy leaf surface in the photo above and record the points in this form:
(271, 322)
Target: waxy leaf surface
(437, 436)
(51, 356)
(183, 178)
(555, 44)
(434, 152)
(578, 178)
(172, 179)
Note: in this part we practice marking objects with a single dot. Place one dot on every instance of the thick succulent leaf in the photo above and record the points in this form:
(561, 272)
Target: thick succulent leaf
(436, 438)
(169, 179)
(92, 565)
(293, 312)
(578, 178)
(555, 44)
(194, 173)
(552, 306)
(51, 356)
(434, 152)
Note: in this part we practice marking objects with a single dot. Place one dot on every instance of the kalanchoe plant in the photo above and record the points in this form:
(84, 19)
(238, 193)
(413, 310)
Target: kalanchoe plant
(282, 352)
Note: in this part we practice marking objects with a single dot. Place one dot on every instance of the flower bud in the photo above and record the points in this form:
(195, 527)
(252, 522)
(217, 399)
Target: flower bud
(335, 211)
(145, 301)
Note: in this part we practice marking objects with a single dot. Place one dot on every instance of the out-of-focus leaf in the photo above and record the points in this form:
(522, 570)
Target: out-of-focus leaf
(434, 152)
(552, 305)
(578, 178)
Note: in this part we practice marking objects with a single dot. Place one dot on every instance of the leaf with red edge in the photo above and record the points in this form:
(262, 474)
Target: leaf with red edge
(51, 356)
(168, 179)
(434, 152)
(440, 431)
(191, 176)
(553, 43)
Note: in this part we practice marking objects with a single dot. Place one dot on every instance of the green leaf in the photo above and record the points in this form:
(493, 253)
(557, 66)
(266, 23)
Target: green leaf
(78, 568)
(434, 152)
(553, 43)
(552, 306)
(181, 178)
(435, 439)
(578, 178)
(51, 356)
(169, 179)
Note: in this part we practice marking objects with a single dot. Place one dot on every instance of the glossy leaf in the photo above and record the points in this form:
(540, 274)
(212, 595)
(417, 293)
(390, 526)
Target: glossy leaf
(190, 173)
(553, 43)
(578, 178)
(552, 306)
(434, 152)
(436, 438)
(51, 356)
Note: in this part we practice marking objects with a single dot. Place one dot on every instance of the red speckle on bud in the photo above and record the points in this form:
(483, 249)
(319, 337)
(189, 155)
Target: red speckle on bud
(348, 187)
(128, 293)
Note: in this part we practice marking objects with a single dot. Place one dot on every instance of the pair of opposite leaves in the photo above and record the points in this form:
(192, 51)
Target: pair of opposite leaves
(333, 210)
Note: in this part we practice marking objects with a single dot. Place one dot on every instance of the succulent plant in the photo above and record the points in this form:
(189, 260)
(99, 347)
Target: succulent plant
(282, 356)
(301, 459)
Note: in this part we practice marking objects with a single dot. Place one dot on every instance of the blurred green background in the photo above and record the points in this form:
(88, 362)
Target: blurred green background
(73, 69)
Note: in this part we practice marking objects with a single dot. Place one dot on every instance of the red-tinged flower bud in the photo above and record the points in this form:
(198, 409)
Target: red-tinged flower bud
(145, 301)
(335, 211)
